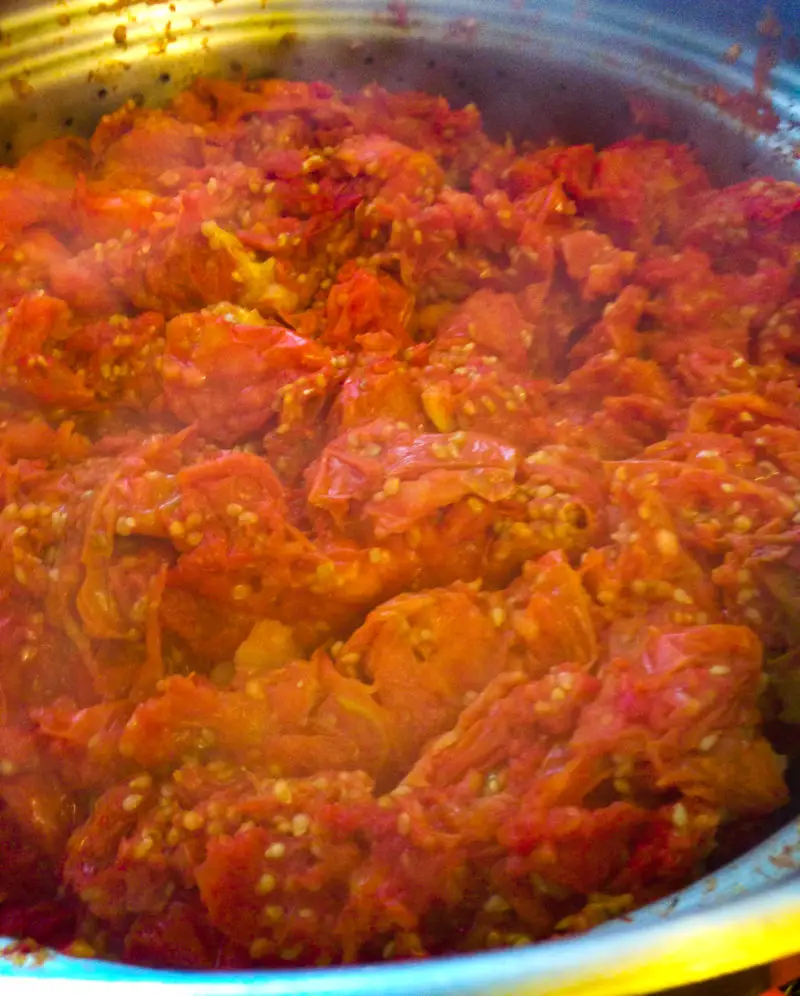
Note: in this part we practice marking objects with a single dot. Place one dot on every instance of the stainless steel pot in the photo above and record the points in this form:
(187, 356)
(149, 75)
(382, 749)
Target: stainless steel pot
(564, 67)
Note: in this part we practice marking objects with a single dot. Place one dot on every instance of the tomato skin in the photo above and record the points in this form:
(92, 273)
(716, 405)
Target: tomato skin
(84, 743)
(753, 219)
(431, 471)
(672, 692)
(646, 186)
(417, 684)
(778, 340)
(379, 386)
(137, 146)
(227, 377)
(26, 262)
(28, 874)
(104, 215)
(492, 321)
(26, 201)
(30, 324)
(360, 303)
(594, 260)
(180, 937)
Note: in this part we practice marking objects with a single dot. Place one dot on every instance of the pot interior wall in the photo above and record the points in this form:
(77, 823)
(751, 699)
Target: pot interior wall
(536, 91)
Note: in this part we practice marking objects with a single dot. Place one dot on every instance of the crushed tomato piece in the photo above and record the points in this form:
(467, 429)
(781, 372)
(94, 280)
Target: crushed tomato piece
(400, 531)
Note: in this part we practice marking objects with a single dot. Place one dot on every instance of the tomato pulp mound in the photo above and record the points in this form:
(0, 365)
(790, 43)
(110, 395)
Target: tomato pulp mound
(399, 541)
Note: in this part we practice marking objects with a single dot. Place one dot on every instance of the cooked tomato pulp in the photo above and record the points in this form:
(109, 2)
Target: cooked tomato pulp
(399, 544)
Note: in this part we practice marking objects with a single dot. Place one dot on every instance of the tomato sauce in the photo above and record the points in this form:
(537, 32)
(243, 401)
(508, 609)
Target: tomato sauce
(400, 530)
